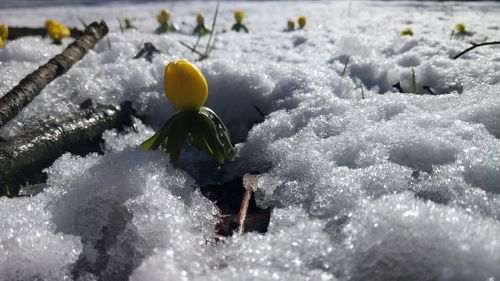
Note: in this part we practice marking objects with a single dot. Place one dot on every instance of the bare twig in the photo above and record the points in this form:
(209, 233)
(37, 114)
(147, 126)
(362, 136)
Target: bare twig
(249, 182)
(475, 45)
(22, 94)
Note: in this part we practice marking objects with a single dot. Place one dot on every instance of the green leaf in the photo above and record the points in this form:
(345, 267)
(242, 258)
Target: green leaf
(177, 135)
(222, 133)
(345, 66)
(413, 82)
(155, 141)
(209, 132)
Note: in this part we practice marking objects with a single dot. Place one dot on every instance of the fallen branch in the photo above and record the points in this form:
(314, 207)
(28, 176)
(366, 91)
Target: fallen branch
(29, 153)
(22, 94)
(17, 32)
(475, 45)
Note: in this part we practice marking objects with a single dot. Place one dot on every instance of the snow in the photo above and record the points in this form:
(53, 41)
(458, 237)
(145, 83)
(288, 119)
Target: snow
(394, 186)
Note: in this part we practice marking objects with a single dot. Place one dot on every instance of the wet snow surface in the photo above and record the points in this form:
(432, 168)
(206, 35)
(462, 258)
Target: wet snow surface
(395, 186)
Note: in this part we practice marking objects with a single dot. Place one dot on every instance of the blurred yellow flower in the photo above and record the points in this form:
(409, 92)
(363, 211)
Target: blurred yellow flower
(49, 23)
(4, 31)
(200, 19)
(1, 43)
(239, 15)
(128, 22)
(460, 27)
(291, 25)
(56, 30)
(406, 32)
(302, 22)
(185, 86)
(163, 16)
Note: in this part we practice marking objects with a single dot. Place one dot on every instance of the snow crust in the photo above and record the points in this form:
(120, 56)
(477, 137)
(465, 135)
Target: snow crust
(394, 186)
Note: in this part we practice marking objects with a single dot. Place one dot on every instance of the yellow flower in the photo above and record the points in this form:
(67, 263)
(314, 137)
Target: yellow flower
(128, 22)
(163, 16)
(291, 25)
(58, 31)
(4, 31)
(200, 19)
(302, 21)
(1, 43)
(239, 15)
(49, 23)
(185, 86)
(460, 27)
(406, 32)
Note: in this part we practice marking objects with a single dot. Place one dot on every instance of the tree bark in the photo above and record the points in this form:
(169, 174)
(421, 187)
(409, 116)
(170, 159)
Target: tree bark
(29, 153)
(22, 94)
(17, 32)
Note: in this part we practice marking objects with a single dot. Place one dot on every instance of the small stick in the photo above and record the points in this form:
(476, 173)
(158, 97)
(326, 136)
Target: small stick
(475, 45)
(428, 89)
(249, 182)
(398, 87)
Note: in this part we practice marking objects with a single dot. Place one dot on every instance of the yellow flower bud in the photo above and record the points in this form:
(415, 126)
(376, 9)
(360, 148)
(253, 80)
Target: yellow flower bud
(49, 23)
(302, 21)
(238, 16)
(128, 22)
(163, 16)
(460, 27)
(291, 25)
(4, 31)
(1, 43)
(407, 32)
(200, 19)
(185, 86)
(57, 31)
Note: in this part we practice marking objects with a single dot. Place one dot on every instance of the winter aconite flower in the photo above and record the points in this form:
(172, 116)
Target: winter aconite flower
(4, 31)
(185, 86)
(200, 28)
(128, 23)
(57, 31)
(302, 22)
(291, 25)
(238, 17)
(163, 18)
(187, 90)
(460, 31)
(406, 32)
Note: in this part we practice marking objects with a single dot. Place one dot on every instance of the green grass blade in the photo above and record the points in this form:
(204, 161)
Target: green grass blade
(413, 82)
(345, 66)
(213, 28)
